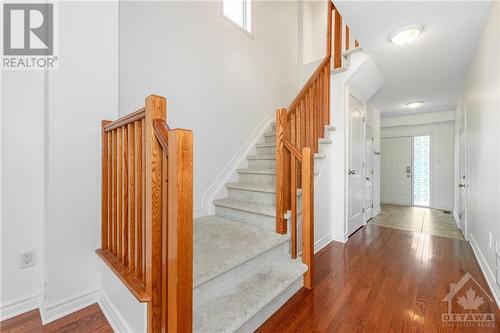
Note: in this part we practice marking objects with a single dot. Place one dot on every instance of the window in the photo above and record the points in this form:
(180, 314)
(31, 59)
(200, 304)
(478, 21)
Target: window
(238, 11)
(421, 167)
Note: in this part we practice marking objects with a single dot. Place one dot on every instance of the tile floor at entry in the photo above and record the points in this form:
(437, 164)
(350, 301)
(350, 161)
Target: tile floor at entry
(418, 219)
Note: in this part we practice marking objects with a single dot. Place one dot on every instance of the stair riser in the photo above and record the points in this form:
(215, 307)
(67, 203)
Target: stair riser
(259, 318)
(263, 221)
(256, 178)
(265, 198)
(223, 283)
(262, 164)
(266, 150)
(270, 138)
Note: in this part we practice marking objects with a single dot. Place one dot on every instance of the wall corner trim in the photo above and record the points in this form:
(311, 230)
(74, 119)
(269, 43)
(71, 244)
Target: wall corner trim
(488, 273)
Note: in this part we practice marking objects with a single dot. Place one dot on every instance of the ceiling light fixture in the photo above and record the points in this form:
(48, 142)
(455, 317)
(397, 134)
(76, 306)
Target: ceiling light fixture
(405, 35)
(414, 105)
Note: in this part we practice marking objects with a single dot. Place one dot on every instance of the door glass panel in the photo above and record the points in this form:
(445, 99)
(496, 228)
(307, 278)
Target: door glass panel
(421, 170)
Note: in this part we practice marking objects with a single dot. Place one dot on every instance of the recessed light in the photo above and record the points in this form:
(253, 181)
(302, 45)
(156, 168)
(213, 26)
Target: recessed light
(405, 35)
(414, 105)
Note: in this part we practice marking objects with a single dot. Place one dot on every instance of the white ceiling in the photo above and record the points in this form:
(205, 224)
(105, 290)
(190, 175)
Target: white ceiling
(433, 67)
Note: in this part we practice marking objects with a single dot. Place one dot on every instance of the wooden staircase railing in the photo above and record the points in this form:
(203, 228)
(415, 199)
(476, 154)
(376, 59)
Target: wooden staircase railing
(298, 129)
(147, 220)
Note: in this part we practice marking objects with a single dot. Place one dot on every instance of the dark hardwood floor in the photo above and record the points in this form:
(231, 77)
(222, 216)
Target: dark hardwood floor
(89, 319)
(381, 280)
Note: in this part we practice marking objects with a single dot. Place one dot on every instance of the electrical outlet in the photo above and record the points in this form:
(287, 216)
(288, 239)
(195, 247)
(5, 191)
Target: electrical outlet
(27, 258)
(491, 241)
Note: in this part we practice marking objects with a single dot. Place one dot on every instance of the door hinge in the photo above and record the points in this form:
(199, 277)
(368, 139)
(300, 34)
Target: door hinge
(363, 210)
(372, 205)
(459, 216)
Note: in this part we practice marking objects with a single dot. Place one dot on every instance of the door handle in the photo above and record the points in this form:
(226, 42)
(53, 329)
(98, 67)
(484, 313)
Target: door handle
(461, 185)
(352, 172)
(367, 178)
(408, 169)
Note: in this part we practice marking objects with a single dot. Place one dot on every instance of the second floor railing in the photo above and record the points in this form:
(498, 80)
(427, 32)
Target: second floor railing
(147, 220)
(298, 129)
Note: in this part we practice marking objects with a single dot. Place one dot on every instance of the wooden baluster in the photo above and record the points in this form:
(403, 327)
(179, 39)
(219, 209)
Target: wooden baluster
(282, 156)
(115, 192)
(155, 109)
(308, 215)
(356, 44)
(119, 180)
(110, 189)
(124, 199)
(310, 119)
(180, 231)
(347, 40)
(138, 199)
(328, 92)
(329, 29)
(337, 52)
(131, 197)
(104, 187)
(293, 192)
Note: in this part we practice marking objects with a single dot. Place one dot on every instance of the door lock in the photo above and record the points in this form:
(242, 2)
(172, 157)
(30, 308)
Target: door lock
(461, 185)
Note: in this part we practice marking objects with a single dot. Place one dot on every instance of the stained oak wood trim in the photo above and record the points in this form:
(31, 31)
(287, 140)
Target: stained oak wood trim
(347, 39)
(125, 120)
(156, 107)
(291, 147)
(133, 284)
(308, 215)
(105, 187)
(180, 231)
(281, 123)
(337, 52)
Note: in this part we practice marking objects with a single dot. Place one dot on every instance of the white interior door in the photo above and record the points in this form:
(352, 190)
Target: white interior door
(368, 174)
(396, 171)
(462, 213)
(355, 164)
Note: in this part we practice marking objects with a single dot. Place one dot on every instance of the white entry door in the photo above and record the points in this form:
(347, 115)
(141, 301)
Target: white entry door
(368, 172)
(396, 171)
(355, 164)
(462, 212)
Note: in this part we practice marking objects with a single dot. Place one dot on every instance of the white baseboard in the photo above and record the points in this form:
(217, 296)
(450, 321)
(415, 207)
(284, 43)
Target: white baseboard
(229, 170)
(319, 244)
(20, 306)
(114, 317)
(376, 211)
(53, 312)
(488, 273)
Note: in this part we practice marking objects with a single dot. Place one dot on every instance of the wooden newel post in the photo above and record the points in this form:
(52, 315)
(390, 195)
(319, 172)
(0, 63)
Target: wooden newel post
(180, 231)
(308, 215)
(282, 159)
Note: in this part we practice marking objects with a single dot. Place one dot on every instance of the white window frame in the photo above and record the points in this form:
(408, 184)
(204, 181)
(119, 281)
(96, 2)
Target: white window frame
(247, 17)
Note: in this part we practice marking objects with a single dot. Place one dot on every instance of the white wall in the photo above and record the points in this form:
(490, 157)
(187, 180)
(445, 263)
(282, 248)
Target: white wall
(442, 156)
(22, 204)
(51, 140)
(481, 100)
(218, 81)
(373, 119)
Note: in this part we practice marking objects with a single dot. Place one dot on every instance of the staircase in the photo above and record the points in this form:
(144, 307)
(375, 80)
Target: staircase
(231, 271)
(243, 271)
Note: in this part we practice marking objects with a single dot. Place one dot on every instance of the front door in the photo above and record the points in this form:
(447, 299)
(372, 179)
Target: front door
(355, 163)
(396, 171)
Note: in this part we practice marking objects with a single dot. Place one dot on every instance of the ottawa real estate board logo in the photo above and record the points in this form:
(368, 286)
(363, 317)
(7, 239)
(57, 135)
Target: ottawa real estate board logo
(469, 305)
(29, 36)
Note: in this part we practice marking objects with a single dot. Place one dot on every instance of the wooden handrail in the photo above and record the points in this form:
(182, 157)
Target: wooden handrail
(298, 130)
(147, 222)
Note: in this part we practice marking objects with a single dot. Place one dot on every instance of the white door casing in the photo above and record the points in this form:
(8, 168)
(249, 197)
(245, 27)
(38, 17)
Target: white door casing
(396, 171)
(355, 164)
(462, 181)
(368, 174)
